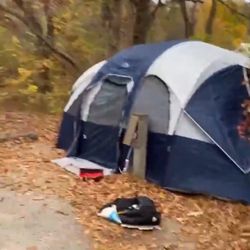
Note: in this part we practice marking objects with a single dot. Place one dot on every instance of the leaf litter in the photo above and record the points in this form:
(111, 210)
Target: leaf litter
(25, 167)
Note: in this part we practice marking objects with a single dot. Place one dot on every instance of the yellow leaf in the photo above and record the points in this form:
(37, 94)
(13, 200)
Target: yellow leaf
(15, 40)
(47, 63)
(32, 88)
(24, 73)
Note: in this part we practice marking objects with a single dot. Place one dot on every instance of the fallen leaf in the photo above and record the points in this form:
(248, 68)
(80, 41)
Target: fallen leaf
(61, 212)
(32, 248)
(38, 198)
(195, 214)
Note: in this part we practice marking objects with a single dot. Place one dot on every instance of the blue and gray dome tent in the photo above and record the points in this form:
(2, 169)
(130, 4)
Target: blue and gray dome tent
(192, 93)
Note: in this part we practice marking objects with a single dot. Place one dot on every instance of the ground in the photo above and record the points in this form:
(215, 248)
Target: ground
(49, 203)
(29, 221)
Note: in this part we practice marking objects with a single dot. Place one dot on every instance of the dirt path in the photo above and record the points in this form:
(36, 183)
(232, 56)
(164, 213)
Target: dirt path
(29, 222)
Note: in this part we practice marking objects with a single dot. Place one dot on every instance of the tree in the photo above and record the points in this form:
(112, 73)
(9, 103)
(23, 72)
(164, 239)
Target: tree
(189, 15)
(25, 17)
(42, 42)
(145, 14)
(211, 18)
(141, 15)
(111, 17)
(38, 18)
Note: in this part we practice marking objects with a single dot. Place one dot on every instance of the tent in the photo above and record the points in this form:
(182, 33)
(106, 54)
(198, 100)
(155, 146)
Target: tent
(192, 93)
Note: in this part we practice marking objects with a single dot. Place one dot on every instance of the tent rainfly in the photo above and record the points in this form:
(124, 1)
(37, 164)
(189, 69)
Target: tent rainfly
(192, 93)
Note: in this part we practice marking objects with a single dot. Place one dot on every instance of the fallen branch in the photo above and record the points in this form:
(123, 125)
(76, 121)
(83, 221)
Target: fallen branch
(7, 137)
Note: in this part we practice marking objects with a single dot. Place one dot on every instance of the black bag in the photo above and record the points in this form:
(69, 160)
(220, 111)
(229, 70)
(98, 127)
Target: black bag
(139, 211)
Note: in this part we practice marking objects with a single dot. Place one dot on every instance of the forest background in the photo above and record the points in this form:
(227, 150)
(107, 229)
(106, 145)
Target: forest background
(45, 45)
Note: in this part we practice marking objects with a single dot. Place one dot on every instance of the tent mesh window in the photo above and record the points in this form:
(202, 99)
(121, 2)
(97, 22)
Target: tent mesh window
(106, 108)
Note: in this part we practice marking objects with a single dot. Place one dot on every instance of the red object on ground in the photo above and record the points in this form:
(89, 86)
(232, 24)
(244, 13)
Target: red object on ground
(91, 174)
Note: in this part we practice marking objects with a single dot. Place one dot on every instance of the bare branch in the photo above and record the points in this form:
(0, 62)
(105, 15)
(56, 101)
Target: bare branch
(154, 11)
(12, 13)
(195, 1)
(59, 53)
(233, 10)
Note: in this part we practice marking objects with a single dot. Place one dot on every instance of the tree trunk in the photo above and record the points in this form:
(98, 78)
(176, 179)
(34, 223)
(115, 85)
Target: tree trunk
(43, 76)
(116, 26)
(44, 83)
(189, 26)
(143, 20)
(211, 18)
(127, 25)
(111, 16)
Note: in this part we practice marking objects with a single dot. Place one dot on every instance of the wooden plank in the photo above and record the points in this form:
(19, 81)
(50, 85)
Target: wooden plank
(131, 130)
(140, 147)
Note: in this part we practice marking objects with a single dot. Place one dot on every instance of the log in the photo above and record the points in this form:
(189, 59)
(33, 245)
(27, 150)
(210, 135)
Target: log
(8, 137)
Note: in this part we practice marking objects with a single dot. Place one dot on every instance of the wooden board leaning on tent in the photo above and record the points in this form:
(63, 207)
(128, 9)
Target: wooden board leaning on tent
(136, 137)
